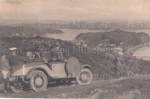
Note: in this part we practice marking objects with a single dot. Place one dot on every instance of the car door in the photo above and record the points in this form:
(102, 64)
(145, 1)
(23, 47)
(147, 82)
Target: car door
(58, 69)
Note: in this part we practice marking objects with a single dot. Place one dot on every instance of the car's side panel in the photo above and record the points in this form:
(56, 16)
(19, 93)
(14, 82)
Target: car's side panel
(17, 70)
(58, 70)
(30, 66)
(24, 69)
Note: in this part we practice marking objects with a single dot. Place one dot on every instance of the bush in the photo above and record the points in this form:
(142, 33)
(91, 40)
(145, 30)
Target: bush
(103, 63)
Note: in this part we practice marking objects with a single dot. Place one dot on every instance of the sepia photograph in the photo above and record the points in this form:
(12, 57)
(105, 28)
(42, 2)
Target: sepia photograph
(75, 49)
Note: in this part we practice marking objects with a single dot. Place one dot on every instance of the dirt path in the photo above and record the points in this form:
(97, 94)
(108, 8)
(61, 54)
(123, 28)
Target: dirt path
(63, 91)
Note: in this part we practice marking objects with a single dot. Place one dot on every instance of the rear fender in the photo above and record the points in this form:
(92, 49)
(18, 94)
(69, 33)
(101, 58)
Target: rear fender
(29, 74)
(85, 66)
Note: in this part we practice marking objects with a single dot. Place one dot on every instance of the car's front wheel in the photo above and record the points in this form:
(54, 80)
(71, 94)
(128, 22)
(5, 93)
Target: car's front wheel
(85, 77)
(38, 81)
(16, 87)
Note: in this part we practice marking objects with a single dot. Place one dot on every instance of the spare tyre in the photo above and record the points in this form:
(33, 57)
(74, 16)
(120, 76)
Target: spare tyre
(73, 67)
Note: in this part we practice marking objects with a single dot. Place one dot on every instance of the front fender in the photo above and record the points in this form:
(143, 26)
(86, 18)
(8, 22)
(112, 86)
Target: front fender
(29, 74)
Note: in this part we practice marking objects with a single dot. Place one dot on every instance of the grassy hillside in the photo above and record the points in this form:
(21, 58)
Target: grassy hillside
(102, 63)
(114, 37)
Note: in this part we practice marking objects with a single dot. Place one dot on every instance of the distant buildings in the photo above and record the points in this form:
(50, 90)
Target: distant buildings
(118, 50)
(104, 46)
(80, 43)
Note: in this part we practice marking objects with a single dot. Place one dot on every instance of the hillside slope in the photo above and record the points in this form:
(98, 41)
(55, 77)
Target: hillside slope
(102, 63)
(114, 37)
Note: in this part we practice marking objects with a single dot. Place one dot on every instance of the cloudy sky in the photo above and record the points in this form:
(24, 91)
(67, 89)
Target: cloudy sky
(75, 9)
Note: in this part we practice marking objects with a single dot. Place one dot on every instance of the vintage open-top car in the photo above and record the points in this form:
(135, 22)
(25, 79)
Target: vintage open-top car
(37, 74)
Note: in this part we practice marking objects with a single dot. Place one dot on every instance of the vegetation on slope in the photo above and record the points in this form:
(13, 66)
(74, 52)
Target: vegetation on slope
(103, 64)
(114, 37)
(27, 31)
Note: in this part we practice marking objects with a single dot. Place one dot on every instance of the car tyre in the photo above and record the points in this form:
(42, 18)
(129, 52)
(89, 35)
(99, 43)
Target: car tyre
(85, 77)
(16, 87)
(39, 81)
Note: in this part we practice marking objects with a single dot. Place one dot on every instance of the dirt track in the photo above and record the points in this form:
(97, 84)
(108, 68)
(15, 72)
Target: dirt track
(125, 88)
(63, 91)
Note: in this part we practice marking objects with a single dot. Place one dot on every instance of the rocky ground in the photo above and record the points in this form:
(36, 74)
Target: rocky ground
(123, 88)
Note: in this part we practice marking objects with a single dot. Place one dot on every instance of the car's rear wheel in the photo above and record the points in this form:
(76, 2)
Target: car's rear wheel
(85, 77)
(39, 81)
(16, 87)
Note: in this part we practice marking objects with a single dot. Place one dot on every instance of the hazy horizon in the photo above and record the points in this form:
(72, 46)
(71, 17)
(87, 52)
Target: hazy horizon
(93, 10)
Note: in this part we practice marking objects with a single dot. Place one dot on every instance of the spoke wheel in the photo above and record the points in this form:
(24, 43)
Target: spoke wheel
(38, 81)
(16, 87)
(85, 77)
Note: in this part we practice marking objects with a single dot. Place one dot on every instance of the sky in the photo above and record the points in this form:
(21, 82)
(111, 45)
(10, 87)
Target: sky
(75, 9)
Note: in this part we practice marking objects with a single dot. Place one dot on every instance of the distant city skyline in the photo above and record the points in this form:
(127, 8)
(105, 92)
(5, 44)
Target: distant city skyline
(75, 9)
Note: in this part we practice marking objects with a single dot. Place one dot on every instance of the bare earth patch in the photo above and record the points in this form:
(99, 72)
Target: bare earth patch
(106, 89)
